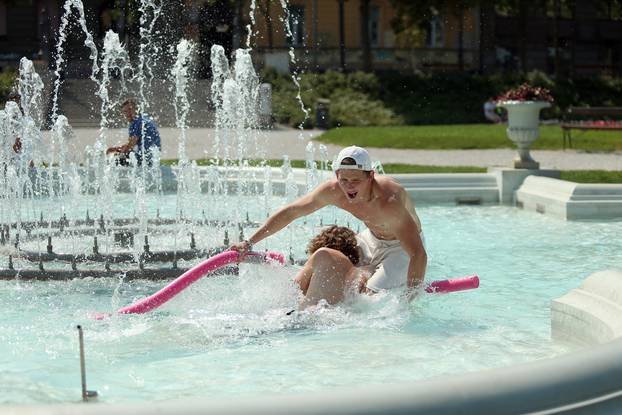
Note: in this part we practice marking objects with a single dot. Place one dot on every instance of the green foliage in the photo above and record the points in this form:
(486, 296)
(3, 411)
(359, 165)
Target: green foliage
(391, 99)
(389, 168)
(252, 162)
(350, 108)
(396, 168)
(592, 176)
(464, 137)
(7, 83)
(353, 99)
(578, 176)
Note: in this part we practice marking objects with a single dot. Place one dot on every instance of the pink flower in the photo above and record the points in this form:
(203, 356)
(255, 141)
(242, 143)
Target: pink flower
(526, 92)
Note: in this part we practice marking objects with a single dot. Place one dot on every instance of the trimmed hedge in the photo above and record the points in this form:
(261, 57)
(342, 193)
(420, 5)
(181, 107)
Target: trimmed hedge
(361, 99)
(7, 82)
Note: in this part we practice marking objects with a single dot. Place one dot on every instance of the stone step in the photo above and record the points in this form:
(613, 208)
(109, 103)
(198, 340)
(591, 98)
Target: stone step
(446, 180)
(79, 102)
(460, 188)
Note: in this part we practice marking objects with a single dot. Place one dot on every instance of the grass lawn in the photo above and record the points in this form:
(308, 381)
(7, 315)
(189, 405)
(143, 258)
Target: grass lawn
(579, 176)
(389, 168)
(465, 136)
(592, 176)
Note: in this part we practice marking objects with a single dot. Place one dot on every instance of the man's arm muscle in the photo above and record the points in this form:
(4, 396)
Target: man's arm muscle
(305, 205)
(407, 232)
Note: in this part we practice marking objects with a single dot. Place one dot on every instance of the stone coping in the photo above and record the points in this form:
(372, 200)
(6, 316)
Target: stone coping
(592, 313)
(569, 200)
(583, 382)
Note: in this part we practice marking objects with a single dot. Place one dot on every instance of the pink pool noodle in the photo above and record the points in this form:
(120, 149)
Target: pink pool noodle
(454, 284)
(190, 276)
(213, 263)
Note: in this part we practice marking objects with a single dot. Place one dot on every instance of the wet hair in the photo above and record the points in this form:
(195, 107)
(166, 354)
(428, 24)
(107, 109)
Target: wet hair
(338, 238)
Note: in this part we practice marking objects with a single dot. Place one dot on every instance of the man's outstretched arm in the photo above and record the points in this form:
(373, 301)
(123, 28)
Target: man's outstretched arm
(303, 206)
(124, 148)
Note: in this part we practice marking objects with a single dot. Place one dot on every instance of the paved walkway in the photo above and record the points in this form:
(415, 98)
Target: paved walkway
(276, 143)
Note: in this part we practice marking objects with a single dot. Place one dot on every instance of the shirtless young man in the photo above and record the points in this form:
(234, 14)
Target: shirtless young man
(392, 245)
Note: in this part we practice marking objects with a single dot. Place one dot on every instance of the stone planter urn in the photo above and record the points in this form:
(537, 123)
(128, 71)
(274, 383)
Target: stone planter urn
(524, 128)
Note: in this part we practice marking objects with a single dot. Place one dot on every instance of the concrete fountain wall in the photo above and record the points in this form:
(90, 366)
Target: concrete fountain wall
(592, 313)
(569, 200)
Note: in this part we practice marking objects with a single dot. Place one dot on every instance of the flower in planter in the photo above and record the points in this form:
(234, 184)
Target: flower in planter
(526, 92)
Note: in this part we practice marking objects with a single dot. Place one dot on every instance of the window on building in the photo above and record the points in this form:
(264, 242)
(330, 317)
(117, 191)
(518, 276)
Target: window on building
(374, 26)
(3, 30)
(506, 9)
(435, 36)
(610, 9)
(562, 8)
(297, 25)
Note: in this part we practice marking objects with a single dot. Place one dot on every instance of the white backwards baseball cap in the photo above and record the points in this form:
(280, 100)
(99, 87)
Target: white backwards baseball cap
(358, 154)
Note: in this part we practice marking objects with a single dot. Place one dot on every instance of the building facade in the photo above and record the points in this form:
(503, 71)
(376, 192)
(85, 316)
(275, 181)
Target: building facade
(562, 37)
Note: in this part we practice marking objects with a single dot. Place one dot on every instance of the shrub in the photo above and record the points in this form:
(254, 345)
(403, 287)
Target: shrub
(7, 83)
(351, 108)
(389, 98)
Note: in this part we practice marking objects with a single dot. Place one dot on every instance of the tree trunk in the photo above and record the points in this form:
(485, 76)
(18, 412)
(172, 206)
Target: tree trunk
(522, 33)
(556, 62)
(238, 26)
(460, 16)
(316, 41)
(269, 29)
(573, 46)
(487, 56)
(342, 35)
(365, 40)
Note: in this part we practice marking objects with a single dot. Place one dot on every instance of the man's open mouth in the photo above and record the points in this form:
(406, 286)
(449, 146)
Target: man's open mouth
(352, 195)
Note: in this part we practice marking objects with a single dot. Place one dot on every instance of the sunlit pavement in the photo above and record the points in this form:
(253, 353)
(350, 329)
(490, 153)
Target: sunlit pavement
(273, 144)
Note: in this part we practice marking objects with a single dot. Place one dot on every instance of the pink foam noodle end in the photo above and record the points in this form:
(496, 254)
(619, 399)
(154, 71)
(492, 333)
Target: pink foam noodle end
(193, 274)
(455, 284)
(271, 256)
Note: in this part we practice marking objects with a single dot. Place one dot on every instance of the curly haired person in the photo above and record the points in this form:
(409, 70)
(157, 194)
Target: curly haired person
(340, 244)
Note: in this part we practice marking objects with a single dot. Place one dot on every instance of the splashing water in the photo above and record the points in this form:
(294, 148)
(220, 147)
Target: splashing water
(292, 56)
(62, 38)
(249, 26)
(115, 62)
(30, 87)
(312, 177)
(180, 74)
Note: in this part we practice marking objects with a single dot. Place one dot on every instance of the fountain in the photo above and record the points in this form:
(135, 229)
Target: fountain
(56, 216)
(112, 233)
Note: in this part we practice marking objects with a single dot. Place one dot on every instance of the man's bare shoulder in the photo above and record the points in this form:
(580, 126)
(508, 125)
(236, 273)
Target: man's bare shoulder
(328, 190)
(387, 181)
(329, 185)
(389, 189)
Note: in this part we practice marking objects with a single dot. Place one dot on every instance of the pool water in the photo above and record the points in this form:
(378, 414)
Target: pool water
(230, 335)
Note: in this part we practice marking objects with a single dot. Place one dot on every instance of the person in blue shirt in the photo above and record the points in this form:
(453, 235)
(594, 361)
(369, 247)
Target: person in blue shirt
(141, 126)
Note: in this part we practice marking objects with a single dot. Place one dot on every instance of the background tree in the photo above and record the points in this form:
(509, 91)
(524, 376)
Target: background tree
(413, 17)
(365, 39)
(265, 8)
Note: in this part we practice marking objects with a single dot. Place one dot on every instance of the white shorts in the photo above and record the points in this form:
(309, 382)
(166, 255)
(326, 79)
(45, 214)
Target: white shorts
(387, 260)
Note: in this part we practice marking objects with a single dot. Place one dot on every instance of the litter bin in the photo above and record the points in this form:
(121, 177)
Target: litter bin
(322, 114)
(265, 106)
